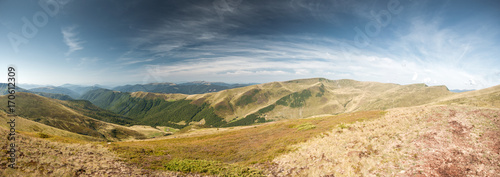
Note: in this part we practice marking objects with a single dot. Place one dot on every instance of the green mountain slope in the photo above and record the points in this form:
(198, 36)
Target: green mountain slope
(51, 112)
(264, 102)
(154, 110)
(90, 110)
(184, 88)
(26, 125)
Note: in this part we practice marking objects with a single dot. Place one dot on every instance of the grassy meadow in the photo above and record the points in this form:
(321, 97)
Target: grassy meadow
(254, 147)
(335, 128)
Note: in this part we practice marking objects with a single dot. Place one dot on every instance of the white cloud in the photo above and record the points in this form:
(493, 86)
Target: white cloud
(424, 52)
(137, 61)
(415, 76)
(71, 39)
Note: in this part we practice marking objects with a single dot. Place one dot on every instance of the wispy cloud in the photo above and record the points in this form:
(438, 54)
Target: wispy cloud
(71, 39)
(428, 54)
(137, 61)
(409, 50)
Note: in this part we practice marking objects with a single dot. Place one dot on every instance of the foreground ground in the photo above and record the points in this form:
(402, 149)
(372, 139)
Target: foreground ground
(43, 155)
(415, 141)
(418, 141)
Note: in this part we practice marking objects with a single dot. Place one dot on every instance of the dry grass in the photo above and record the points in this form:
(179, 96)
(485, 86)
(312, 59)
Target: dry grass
(41, 157)
(26, 125)
(164, 96)
(427, 141)
(149, 131)
(257, 145)
(334, 97)
(54, 114)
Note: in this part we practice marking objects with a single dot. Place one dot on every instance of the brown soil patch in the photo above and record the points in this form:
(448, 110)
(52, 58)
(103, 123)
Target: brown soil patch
(457, 151)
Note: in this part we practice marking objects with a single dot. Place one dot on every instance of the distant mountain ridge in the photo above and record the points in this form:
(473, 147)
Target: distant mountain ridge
(81, 89)
(197, 87)
(72, 91)
(3, 91)
(461, 90)
(56, 90)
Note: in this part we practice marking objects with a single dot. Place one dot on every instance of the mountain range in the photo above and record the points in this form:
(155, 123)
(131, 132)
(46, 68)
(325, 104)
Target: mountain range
(71, 91)
(264, 102)
(197, 87)
(282, 115)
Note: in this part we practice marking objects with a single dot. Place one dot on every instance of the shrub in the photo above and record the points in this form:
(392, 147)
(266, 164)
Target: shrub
(43, 135)
(210, 167)
(305, 126)
(343, 126)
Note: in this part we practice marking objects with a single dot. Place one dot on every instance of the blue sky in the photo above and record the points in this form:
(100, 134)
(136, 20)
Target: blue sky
(452, 43)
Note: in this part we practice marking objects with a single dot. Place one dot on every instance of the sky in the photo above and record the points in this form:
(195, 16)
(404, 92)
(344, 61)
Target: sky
(116, 42)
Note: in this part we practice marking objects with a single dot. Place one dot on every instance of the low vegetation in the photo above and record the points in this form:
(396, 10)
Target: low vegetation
(295, 100)
(250, 146)
(44, 155)
(361, 132)
(426, 141)
(305, 126)
(154, 112)
(50, 112)
(210, 167)
(90, 110)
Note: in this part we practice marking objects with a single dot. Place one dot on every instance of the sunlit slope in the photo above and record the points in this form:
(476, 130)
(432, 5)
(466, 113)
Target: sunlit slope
(264, 102)
(51, 157)
(488, 97)
(317, 96)
(413, 141)
(26, 125)
(241, 146)
(52, 113)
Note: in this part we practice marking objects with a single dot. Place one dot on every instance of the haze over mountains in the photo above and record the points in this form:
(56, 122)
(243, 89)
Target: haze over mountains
(71, 91)
(197, 87)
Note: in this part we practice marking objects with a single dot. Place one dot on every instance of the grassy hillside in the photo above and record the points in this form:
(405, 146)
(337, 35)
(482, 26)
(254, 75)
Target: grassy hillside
(234, 150)
(157, 111)
(265, 102)
(417, 141)
(51, 112)
(53, 95)
(489, 97)
(184, 88)
(52, 158)
(36, 128)
(370, 129)
(90, 110)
